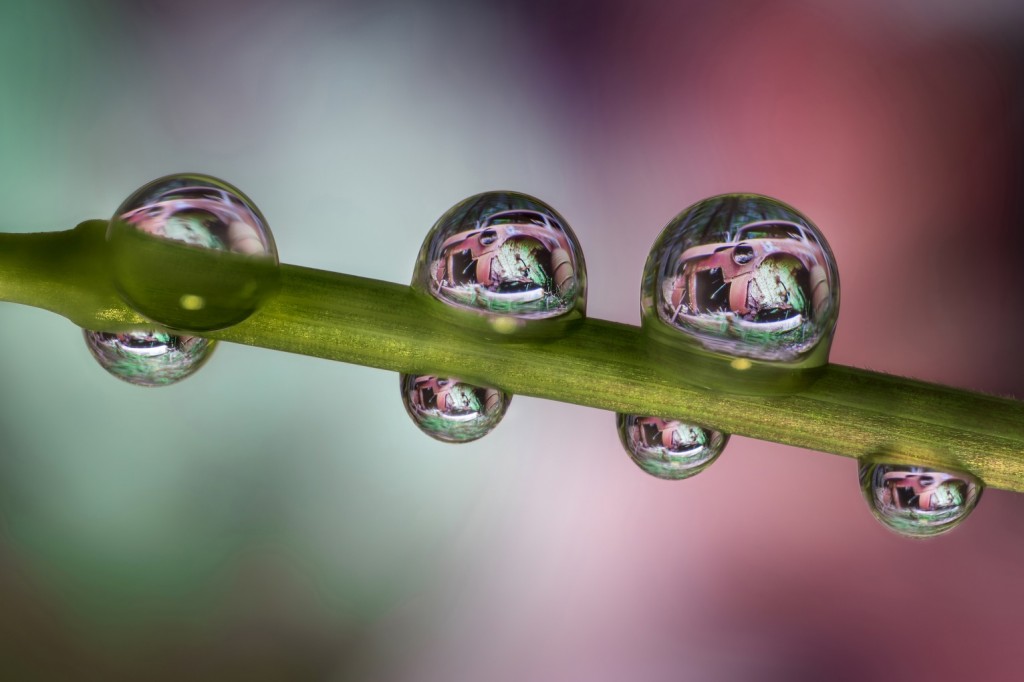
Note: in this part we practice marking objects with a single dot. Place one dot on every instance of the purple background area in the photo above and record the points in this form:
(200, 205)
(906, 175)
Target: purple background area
(279, 518)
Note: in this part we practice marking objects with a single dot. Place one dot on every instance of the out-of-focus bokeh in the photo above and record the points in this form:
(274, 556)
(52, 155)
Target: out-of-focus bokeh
(278, 517)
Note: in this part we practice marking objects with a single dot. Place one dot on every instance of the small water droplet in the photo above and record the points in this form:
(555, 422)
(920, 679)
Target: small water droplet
(916, 501)
(504, 254)
(451, 410)
(744, 276)
(194, 212)
(149, 358)
(668, 448)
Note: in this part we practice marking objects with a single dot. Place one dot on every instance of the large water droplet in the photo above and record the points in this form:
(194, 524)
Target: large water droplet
(149, 358)
(915, 501)
(451, 410)
(668, 448)
(235, 263)
(744, 276)
(504, 254)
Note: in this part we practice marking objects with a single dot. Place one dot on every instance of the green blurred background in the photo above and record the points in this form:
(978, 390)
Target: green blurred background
(278, 517)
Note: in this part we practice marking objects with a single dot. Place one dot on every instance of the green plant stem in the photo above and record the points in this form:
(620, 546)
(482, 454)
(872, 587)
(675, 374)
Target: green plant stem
(601, 364)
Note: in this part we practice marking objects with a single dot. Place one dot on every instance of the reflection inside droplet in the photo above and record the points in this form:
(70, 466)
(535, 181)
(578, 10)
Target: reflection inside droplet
(221, 288)
(917, 501)
(668, 448)
(746, 276)
(149, 358)
(503, 253)
(451, 410)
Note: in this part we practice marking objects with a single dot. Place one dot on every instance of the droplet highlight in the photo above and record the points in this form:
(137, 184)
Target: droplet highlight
(192, 302)
(504, 254)
(916, 501)
(668, 448)
(451, 410)
(234, 264)
(149, 358)
(745, 276)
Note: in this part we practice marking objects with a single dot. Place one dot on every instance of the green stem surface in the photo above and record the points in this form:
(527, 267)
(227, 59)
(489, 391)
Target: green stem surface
(601, 364)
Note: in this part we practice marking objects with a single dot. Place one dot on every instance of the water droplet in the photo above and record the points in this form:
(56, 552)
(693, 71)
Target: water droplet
(149, 358)
(238, 268)
(505, 254)
(513, 261)
(668, 448)
(915, 501)
(451, 410)
(743, 275)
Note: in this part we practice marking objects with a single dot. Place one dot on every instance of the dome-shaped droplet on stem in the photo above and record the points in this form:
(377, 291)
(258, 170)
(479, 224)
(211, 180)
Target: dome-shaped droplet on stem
(502, 264)
(748, 286)
(234, 265)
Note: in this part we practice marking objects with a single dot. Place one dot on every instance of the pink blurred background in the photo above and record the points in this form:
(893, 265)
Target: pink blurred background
(333, 542)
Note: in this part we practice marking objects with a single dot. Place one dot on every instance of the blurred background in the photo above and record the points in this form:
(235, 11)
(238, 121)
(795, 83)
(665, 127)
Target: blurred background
(278, 517)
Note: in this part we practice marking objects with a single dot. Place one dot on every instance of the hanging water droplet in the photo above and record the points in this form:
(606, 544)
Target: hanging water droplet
(915, 501)
(744, 276)
(668, 448)
(236, 267)
(504, 254)
(149, 358)
(515, 262)
(451, 410)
